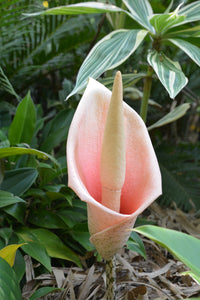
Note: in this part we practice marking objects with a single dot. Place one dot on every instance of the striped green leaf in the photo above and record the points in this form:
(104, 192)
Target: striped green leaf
(79, 9)
(163, 22)
(191, 11)
(107, 54)
(141, 11)
(192, 51)
(172, 116)
(168, 72)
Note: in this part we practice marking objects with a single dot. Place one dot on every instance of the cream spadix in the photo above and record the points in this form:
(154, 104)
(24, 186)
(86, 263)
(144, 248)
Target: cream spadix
(113, 153)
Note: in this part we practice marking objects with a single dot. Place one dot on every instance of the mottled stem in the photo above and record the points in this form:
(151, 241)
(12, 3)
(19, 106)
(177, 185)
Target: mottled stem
(110, 279)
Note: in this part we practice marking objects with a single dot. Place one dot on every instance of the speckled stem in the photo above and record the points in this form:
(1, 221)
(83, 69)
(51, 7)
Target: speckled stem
(110, 279)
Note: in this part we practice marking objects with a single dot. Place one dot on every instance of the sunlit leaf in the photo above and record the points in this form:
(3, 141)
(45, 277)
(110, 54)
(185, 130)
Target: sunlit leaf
(53, 245)
(8, 253)
(183, 246)
(107, 54)
(79, 8)
(23, 125)
(168, 72)
(172, 116)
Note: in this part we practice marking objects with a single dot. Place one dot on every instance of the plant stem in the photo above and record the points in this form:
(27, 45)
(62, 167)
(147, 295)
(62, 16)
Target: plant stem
(110, 279)
(146, 93)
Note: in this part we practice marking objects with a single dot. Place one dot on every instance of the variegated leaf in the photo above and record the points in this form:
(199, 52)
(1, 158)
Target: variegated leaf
(79, 8)
(141, 11)
(191, 11)
(172, 116)
(192, 51)
(107, 54)
(168, 72)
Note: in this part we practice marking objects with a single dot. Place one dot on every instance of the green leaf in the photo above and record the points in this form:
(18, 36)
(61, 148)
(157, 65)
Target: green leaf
(58, 130)
(163, 22)
(23, 124)
(78, 9)
(172, 116)
(53, 245)
(9, 287)
(107, 54)
(12, 151)
(17, 211)
(7, 198)
(141, 11)
(135, 243)
(184, 247)
(19, 181)
(192, 51)
(37, 251)
(47, 219)
(43, 292)
(168, 72)
(191, 11)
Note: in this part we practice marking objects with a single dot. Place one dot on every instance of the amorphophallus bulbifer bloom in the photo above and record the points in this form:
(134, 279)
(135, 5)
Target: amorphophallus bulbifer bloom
(112, 165)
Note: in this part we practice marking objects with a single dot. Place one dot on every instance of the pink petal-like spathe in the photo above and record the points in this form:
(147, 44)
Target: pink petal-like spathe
(109, 229)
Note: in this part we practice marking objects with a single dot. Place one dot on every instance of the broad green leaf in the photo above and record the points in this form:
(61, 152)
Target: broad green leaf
(12, 151)
(46, 219)
(9, 287)
(23, 125)
(37, 251)
(191, 11)
(107, 54)
(53, 245)
(7, 198)
(8, 253)
(43, 292)
(192, 51)
(128, 80)
(19, 181)
(17, 211)
(183, 246)
(58, 130)
(168, 72)
(78, 9)
(141, 11)
(172, 116)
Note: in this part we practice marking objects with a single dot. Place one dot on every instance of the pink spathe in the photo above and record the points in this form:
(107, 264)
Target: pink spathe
(142, 184)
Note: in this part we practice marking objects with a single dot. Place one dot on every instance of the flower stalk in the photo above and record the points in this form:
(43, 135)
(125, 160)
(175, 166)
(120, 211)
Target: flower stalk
(146, 93)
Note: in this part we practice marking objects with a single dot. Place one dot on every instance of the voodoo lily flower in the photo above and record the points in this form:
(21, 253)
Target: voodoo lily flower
(111, 165)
